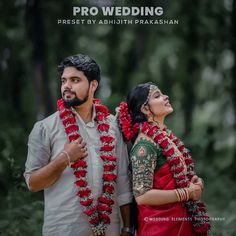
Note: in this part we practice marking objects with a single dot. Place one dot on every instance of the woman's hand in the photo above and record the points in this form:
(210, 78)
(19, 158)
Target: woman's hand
(195, 191)
(198, 181)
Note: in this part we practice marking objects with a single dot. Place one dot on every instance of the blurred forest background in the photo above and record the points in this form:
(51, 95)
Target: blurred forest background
(193, 62)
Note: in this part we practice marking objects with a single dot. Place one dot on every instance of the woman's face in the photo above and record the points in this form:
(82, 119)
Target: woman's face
(159, 104)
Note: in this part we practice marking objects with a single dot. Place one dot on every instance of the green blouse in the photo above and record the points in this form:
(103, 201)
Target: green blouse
(145, 158)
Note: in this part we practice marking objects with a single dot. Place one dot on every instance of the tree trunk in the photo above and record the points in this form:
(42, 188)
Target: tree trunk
(35, 32)
(192, 68)
(233, 87)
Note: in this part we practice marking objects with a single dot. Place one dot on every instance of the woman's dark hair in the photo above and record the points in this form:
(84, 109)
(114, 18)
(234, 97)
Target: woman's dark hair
(135, 99)
(83, 63)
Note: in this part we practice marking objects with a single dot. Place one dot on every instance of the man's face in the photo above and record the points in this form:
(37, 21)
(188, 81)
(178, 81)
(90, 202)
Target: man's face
(74, 87)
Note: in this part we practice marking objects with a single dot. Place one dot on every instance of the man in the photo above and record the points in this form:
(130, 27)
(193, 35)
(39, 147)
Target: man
(77, 156)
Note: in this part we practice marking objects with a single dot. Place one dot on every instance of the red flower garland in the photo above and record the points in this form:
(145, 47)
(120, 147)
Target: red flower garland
(98, 215)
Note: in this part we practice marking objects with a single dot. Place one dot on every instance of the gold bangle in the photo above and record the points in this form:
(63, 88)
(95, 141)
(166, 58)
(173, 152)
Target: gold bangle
(67, 155)
(182, 195)
(187, 194)
(177, 194)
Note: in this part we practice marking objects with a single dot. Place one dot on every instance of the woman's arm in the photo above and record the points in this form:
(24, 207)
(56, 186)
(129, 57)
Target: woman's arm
(157, 197)
(161, 197)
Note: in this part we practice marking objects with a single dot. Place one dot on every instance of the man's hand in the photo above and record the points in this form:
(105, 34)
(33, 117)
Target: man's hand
(76, 149)
(126, 234)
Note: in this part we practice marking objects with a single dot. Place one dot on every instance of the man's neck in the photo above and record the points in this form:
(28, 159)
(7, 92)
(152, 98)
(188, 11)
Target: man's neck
(85, 111)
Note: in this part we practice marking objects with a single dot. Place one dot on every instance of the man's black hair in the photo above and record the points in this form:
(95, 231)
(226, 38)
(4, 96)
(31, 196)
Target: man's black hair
(83, 63)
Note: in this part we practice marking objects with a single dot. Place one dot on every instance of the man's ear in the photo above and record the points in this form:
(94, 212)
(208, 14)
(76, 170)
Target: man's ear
(94, 85)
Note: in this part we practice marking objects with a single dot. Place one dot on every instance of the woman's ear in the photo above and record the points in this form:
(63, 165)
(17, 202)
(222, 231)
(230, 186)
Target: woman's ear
(145, 110)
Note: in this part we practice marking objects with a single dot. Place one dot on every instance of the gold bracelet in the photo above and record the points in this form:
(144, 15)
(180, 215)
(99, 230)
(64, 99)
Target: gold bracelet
(181, 194)
(67, 155)
(187, 194)
(177, 194)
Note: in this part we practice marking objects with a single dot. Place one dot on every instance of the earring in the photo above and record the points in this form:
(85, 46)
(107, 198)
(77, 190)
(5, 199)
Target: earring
(150, 119)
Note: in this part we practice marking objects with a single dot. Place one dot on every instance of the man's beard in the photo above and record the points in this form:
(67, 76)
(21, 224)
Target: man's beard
(75, 101)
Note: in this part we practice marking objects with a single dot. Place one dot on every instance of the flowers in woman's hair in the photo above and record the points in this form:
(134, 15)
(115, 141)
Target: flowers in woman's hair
(128, 129)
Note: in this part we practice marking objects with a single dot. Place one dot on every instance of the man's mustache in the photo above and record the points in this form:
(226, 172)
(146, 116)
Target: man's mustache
(67, 90)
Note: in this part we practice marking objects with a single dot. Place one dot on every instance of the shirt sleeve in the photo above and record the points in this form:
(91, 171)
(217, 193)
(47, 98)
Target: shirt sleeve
(38, 150)
(143, 160)
(124, 192)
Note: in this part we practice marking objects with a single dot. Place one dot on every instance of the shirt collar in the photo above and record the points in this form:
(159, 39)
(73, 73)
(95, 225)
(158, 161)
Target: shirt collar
(90, 123)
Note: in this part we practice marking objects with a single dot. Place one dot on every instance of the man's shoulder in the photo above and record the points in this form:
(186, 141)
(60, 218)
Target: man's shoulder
(50, 121)
(112, 121)
(54, 116)
(114, 126)
(111, 118)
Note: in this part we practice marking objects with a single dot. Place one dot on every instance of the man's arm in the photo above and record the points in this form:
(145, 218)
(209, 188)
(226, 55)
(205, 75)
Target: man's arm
(40, 173)
(48, 175)
(124, 194)
(126, 217)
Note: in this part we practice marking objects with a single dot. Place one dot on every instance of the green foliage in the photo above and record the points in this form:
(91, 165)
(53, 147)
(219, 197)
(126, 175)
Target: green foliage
(23, 214)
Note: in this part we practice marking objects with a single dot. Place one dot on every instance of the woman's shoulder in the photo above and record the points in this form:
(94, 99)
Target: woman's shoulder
(144, 145)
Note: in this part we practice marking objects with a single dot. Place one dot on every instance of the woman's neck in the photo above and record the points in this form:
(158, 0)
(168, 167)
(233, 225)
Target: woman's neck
(159, 121)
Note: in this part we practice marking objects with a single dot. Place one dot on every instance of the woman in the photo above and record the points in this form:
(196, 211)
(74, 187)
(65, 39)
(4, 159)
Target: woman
(165, 186)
